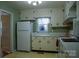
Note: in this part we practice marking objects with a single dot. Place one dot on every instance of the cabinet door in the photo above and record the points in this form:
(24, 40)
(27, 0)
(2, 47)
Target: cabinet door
(51, 44)
(57, 19)
(40, 41)
(44, 43)
(35, 43)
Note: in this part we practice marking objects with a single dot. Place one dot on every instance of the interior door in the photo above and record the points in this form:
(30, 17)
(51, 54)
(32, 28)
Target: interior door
(5, 40)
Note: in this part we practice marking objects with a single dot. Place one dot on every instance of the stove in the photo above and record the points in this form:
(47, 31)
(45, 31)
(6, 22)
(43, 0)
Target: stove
(69, 40)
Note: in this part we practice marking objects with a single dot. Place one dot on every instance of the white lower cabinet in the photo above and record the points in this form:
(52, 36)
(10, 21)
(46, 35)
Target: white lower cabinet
(51, 44)
(44, 43)
(35, 43)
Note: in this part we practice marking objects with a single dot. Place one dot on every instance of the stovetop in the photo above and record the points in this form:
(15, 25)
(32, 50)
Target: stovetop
(69, 40)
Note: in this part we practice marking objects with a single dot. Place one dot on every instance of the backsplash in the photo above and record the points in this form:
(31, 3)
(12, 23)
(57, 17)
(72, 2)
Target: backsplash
(60, 30)
(48, 34)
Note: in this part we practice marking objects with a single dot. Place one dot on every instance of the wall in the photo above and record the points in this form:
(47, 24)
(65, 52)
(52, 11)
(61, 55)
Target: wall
(5, 6)
(77, 13)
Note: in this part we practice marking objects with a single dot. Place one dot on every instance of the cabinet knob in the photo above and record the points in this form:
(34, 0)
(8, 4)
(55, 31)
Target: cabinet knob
(39, 41)
(57, 48)
(40, 48)
(48, 41)
(32, 40)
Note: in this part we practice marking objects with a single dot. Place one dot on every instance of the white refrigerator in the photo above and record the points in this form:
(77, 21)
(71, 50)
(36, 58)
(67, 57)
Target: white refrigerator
(24, 30)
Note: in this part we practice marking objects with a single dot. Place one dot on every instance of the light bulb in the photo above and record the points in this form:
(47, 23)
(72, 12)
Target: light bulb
(29, 2)
(39, 2)
(34, 3)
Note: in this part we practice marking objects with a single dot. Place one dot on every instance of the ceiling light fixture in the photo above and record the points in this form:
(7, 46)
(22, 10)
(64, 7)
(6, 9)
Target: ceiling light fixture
(35, 2)
(39, 2)
(29, 2)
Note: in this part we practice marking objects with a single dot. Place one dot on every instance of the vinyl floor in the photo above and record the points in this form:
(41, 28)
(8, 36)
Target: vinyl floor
(21, 54)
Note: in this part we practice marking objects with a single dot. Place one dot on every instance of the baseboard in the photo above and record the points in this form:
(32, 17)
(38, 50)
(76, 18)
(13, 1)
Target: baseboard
(45, 51)
(13, 50)
(36, 51)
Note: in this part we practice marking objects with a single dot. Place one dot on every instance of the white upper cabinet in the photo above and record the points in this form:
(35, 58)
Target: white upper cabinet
(57, 17)
(56, 14)
(34, 13)
(70, 10)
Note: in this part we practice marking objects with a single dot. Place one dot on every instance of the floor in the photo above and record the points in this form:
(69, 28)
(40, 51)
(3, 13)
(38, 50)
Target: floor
(18, 54)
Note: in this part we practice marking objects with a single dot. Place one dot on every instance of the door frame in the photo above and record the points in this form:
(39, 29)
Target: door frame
(11, 29)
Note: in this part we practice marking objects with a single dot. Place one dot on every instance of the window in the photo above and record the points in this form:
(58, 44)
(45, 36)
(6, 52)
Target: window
(42, 24)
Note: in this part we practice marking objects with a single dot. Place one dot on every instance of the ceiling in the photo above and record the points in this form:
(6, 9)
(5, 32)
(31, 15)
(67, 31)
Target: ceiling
(45, 4)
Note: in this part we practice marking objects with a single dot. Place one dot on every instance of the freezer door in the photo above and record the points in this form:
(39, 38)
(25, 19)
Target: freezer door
(23, 26)
(23, 40)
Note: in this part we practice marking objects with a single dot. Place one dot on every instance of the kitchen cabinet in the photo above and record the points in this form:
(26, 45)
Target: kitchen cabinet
(57, 18)
(51, 44)
(56, 15)
(35, 43)
(44, 43)
(31, 14)
(70, 10)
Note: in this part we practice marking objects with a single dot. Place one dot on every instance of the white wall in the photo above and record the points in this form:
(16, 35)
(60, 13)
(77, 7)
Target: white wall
(56, 14)
(77, 11)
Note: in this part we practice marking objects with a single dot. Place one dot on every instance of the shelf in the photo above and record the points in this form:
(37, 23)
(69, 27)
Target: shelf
(69, 23)
(60, 27)
(27, 20)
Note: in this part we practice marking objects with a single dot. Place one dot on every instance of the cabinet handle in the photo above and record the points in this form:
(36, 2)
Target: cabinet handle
(48, 41)
(35, 38)
(57, 48)
(40, 48)
(32, 40)
(44, 38)
(39, 41)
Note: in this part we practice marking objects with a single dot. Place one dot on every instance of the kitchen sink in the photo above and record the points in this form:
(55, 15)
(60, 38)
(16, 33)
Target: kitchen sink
(70, 40)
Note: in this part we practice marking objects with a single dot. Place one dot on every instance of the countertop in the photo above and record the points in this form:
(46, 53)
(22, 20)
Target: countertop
(48, 34)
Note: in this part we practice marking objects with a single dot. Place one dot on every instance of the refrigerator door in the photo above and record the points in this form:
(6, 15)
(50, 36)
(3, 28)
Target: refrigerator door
(23, 40)
(23, 26)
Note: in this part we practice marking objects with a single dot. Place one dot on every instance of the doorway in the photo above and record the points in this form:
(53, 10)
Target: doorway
(5, 39)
